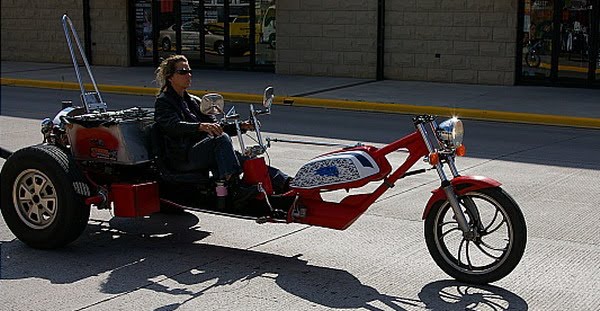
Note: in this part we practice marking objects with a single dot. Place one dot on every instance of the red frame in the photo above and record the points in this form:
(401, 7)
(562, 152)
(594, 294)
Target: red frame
(343, 214)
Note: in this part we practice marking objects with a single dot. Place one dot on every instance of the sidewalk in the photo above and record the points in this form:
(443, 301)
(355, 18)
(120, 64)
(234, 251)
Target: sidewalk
(524, 104)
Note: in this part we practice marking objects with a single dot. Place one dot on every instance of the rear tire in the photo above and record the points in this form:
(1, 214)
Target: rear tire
(493, 253)
(41, 197)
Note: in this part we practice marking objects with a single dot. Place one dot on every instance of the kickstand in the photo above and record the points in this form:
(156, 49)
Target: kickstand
(264, 219)
(262, 190)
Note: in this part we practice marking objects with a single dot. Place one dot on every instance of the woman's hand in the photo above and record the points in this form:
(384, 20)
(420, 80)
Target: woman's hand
(213, 129)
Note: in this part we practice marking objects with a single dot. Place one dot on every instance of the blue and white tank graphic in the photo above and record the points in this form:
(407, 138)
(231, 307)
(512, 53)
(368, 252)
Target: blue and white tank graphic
(336, 168)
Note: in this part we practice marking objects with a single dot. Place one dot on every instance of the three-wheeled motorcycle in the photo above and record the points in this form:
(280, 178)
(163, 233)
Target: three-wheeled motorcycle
(94, 157)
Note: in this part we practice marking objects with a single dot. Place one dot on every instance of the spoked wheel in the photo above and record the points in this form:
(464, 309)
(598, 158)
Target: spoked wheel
(532, 60)
(493, 247)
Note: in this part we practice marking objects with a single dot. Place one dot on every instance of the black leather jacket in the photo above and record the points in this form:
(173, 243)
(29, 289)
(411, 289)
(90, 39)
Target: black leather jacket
(180, 135)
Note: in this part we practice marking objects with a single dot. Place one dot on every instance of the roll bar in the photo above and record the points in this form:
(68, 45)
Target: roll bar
(92, 100)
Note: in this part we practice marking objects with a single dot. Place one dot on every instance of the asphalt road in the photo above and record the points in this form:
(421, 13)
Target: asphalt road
(204, 262)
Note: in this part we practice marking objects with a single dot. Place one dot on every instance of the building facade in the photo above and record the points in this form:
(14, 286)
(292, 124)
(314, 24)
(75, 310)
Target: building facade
(496, 42)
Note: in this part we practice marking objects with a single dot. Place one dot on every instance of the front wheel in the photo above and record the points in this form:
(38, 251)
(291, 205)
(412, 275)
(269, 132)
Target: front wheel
(533, 60)
(493, 247)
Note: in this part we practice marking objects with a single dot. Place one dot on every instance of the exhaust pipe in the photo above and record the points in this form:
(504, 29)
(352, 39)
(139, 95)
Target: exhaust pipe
(4, 154)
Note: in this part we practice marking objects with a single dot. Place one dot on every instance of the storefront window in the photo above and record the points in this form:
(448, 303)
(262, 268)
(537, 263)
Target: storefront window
(575, 27)
(143, 31)
(265, 30)
(167, 39)
(537, 38)
(558, 41)
(211, 33)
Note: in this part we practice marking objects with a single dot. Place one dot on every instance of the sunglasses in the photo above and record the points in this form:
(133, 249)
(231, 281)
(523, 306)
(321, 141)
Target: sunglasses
(183, 71)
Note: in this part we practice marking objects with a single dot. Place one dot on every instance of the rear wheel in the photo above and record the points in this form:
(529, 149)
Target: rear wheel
(494, 246)
(41, 197)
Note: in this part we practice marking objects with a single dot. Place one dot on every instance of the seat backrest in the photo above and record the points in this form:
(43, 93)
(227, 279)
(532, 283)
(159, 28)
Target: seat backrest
(158, 151)
(157, 145)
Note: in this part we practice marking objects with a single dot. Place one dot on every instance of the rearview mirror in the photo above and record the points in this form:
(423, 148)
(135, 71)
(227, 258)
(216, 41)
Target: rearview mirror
(212, 104)
(268, 97)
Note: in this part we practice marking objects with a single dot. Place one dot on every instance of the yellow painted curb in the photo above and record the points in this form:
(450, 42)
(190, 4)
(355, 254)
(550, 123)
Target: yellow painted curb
(489, 115)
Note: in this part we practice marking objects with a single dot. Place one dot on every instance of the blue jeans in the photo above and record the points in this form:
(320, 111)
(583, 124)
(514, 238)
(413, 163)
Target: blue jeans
(215, 154)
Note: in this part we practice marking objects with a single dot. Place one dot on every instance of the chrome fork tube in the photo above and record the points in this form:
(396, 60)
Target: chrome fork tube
(439, 168)
(240, 136)
(446, 185)
(452, 167)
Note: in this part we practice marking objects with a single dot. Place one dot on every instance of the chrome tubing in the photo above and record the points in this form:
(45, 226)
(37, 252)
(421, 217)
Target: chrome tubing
(315, 143)
(256, 123)
(99, 104)
(446, 185)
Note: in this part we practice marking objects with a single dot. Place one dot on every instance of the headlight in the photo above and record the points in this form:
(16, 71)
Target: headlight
(450, 133)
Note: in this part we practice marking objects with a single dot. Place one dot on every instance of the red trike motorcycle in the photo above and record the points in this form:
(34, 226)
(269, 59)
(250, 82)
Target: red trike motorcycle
(106, 159)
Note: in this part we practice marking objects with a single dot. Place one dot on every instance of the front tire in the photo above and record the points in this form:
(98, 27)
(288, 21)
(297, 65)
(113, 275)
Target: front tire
(492, 252)
(41, 197)
(532, 60)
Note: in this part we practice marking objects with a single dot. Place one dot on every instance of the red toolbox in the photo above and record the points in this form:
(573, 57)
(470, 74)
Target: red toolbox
(134, 200)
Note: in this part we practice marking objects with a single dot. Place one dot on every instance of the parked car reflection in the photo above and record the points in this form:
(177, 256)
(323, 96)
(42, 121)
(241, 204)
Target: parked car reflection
(214, 39)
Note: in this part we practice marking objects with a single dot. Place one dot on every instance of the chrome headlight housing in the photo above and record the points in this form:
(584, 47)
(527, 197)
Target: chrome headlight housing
(450, 133)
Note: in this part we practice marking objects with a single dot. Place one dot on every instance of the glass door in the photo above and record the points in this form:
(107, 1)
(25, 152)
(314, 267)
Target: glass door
(575, 39)
(537, 39)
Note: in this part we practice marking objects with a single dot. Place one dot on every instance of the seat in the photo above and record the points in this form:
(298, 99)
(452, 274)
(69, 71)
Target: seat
(166, 172)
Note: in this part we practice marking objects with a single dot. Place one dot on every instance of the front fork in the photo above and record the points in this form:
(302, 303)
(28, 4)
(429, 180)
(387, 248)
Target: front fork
(459, 215)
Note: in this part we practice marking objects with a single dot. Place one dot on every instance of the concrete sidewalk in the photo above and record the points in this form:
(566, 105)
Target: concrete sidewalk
(524, 104)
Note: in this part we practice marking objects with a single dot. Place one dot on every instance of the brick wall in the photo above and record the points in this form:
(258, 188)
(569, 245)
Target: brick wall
(108, 21)
(475, 40)
(32, 30)
(327, 37)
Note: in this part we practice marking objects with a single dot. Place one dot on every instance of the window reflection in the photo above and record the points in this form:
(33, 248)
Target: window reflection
(537, 38)
(575, 39)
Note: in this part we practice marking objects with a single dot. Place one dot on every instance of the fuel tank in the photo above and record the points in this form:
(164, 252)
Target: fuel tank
(344, 169)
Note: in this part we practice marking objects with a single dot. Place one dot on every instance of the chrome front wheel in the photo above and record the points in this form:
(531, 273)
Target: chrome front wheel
(492, 248)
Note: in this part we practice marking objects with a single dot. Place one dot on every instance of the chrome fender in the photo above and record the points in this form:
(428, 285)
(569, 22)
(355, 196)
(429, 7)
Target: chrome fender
(461, 185)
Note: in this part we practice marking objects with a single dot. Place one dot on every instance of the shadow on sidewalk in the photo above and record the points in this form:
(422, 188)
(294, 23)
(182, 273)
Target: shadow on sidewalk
(162, 254)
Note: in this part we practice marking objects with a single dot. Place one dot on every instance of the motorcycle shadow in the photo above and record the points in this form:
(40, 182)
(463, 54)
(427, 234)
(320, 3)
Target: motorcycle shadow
(162, 254)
